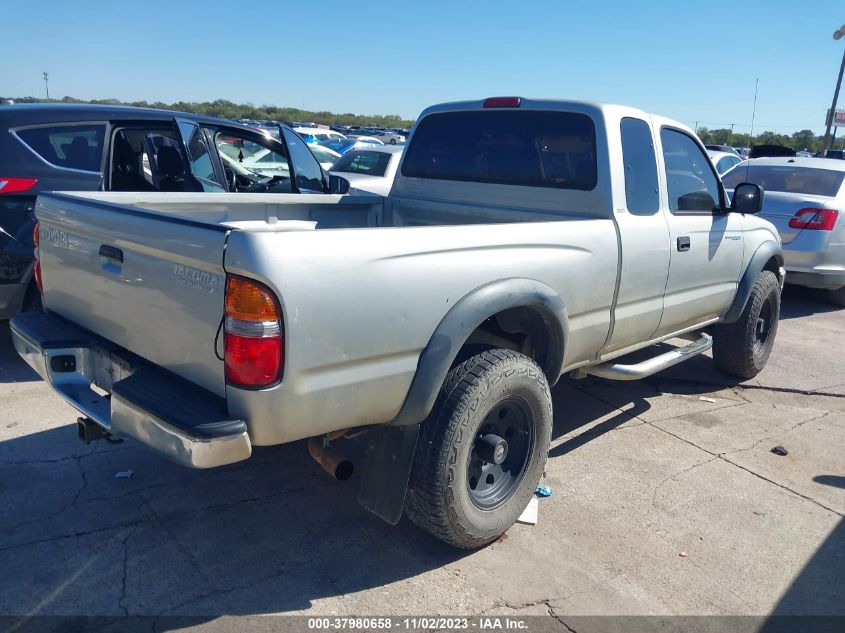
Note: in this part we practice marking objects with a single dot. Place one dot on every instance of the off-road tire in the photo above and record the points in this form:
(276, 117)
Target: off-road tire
(837, 297)
(438, 498)
(737, 349)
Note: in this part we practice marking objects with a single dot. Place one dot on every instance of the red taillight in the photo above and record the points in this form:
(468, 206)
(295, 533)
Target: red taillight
(16, 185)
(502, 102)
(36, 239)
(254, 349)
(37, 274)
(253, 362)
(814, 219)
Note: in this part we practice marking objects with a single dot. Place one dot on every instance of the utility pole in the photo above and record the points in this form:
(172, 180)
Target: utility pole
(837, 35)
(46, 85)
(731, 135)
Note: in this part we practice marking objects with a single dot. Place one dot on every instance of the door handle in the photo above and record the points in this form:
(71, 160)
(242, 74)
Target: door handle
(683, 244)
(111, 252)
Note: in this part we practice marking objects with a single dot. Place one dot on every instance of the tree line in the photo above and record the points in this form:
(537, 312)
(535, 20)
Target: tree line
(229, 110)
(799, 141)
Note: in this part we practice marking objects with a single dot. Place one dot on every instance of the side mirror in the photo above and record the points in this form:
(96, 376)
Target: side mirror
(338, 184)
(748, 198)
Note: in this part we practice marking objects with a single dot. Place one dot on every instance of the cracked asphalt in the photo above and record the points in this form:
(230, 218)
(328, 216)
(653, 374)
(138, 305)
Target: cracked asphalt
(667, 500)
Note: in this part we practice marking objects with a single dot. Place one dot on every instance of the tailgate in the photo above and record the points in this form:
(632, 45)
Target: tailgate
(149, 282)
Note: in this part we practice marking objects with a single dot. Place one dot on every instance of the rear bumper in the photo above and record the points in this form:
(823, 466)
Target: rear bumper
(174, 417)
(811, 260)
(816, 279)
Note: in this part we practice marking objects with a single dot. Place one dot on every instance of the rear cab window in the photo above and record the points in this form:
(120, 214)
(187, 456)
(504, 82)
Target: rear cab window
(78, 146)
(532, 148)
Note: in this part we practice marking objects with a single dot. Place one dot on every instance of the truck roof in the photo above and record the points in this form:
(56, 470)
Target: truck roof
(591, 107)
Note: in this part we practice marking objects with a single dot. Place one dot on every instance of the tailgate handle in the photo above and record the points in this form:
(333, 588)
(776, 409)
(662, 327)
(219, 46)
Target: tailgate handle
(111, 252)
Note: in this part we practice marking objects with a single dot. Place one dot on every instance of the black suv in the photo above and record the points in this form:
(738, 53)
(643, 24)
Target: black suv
(60, 147)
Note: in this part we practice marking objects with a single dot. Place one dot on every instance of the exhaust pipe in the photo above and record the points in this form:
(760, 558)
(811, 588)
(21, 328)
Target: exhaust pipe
(337, 465)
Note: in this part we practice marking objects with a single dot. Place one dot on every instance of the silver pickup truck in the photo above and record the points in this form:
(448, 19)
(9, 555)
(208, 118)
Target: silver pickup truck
(522, 241)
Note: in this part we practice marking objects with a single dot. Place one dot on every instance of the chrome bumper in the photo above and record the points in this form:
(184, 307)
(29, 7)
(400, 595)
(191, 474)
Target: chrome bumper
(72, 360)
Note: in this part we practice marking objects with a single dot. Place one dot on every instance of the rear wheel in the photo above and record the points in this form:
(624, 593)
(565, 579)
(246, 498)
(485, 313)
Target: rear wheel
(742, 348)
(837, 297)
(482, 449)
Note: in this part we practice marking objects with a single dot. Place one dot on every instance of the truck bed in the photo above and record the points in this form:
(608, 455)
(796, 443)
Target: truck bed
(362, 283)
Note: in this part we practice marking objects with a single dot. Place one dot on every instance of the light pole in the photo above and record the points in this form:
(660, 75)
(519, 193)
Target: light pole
(837, 35)
(47, 87)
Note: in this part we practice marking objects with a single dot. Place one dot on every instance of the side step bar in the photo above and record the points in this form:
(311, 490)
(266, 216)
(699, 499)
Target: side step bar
(617, 371)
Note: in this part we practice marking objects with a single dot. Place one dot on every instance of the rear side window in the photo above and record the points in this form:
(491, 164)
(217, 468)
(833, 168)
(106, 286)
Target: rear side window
(67, 146)
(641, 192)
(787, 179)
(530, 148)
(363, 162)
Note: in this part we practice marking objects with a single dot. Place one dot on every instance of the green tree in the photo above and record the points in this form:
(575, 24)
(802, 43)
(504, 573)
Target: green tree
(226, 109)
(720, 137)
(804, 140)
(741, 139)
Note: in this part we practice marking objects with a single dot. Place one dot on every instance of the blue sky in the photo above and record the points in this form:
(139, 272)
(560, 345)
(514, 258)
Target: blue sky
(692, 61)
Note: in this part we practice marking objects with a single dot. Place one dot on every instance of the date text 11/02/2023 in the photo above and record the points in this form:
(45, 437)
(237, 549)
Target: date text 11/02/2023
(418, 623)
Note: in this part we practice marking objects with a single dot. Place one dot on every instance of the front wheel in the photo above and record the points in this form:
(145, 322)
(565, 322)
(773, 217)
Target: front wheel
(742, 348)
(482, 450)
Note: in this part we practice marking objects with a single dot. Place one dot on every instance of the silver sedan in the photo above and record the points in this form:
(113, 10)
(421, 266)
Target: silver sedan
(805, 200)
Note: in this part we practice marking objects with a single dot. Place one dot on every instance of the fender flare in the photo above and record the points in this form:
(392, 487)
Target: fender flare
(463, 318)
(765, 252)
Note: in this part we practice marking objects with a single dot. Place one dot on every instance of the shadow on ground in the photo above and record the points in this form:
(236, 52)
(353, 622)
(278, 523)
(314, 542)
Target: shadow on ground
(12, 368)
(798, 301)
(818, 589)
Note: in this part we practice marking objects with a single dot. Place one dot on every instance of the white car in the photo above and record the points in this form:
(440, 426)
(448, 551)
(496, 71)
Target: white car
(389, 138)
(370, 169)
(324, 155)
(723, 161)
(365, 138)
(321, 134)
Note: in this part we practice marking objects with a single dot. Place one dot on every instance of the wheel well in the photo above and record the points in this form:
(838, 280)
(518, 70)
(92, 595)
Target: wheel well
(774, 264)
(529, 330)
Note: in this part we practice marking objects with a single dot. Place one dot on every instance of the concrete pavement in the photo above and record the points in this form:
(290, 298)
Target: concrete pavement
(667, 500)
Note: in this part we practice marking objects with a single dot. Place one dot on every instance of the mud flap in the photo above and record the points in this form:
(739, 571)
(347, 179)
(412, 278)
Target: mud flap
(386, 470)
